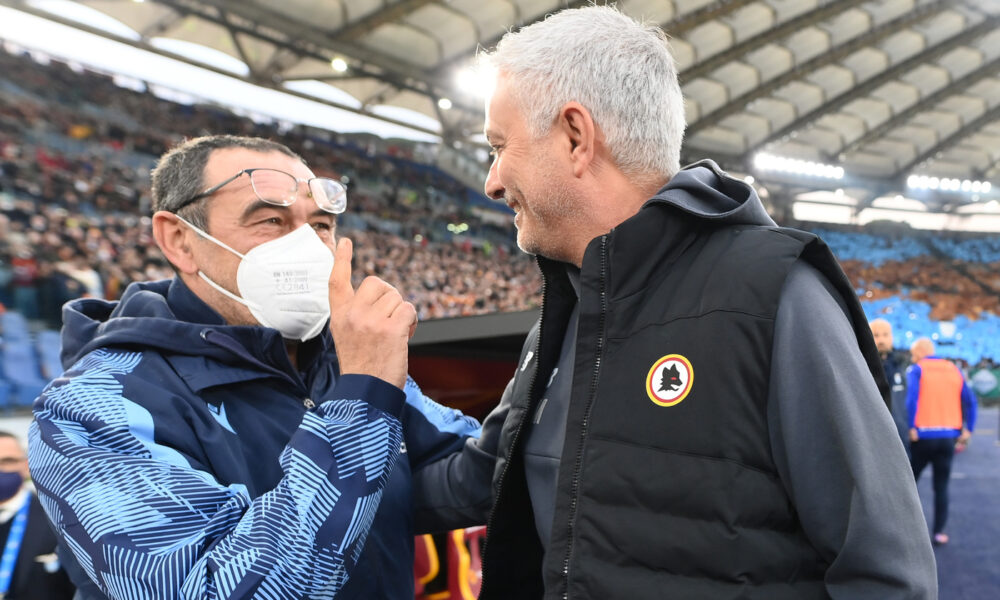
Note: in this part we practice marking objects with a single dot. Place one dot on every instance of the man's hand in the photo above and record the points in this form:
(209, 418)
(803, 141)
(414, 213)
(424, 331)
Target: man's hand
(914, 436)
(963, 440)
(371, 325)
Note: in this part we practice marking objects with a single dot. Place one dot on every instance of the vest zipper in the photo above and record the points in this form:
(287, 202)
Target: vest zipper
(578, 464)
(308, 403)
(517, 432)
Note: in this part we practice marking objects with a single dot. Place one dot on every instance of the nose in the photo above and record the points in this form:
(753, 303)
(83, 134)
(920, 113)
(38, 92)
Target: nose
(493, 187)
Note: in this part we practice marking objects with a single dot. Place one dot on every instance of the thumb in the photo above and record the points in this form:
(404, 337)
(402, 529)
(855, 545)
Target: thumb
(341, 289)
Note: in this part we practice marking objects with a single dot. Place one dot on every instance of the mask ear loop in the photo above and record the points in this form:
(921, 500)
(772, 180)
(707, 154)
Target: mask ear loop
(206, 235)
(201, 274)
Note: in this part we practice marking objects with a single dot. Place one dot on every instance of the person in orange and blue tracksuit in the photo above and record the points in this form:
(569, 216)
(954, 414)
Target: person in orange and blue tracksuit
(942, 412)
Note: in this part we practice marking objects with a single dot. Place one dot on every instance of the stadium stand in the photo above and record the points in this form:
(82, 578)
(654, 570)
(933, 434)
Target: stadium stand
(944, 288)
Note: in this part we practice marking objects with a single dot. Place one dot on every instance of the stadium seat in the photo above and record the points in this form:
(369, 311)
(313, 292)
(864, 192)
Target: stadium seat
(465, 567)
(462, 576)
(14, 327)
(4, 395)
(426, 564)
(21, 370)
(49, 347)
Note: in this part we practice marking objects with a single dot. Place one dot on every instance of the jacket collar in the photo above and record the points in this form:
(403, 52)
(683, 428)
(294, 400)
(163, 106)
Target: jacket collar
(253, 352)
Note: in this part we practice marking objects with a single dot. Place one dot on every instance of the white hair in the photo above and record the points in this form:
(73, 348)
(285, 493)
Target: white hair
(617, 68)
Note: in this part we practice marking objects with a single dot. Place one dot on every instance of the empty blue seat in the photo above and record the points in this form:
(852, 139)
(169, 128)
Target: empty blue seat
(4, 395)
(13, 326)
(21, 370)
(49, 347)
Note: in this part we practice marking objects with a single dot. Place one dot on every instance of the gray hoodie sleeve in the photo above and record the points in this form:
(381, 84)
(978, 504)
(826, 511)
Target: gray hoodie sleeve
(456, 491)
(838, 453)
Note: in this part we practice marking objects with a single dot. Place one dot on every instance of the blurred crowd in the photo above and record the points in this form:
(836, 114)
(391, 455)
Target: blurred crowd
(76, 148)
(949, 291)
(955, 274)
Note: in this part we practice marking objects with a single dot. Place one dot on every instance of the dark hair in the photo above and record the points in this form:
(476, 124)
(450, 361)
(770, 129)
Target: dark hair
(180, 173)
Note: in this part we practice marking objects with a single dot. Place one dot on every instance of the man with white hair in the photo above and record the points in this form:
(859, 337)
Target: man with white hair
(696, 413)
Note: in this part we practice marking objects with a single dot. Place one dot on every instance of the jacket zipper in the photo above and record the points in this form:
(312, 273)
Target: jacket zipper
(574, 489)
(517, 432)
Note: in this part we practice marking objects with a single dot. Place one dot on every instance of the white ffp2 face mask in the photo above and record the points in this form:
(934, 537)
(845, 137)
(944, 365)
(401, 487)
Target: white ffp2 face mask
(284, 282)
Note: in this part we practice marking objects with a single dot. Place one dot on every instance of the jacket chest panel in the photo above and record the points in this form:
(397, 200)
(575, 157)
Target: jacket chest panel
(685, 386)
(250, 425)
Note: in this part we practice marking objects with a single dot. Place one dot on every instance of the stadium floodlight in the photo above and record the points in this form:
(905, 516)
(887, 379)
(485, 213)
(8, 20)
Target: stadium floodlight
(948, 184)
(338, 64)
(763, 161)
(444, 103)
(477, 80)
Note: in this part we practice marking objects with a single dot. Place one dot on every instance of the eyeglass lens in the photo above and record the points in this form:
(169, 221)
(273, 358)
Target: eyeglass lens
(330, 195)
(280, 188)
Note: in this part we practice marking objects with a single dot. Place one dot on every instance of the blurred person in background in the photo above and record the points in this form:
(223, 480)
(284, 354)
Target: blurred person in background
(29, 566)
(942, 417)
(6, 276)
(24, 282)
(894, 367)
(247, 428)
(697, 412)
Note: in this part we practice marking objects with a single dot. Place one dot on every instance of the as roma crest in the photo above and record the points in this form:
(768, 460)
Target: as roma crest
(669, 380)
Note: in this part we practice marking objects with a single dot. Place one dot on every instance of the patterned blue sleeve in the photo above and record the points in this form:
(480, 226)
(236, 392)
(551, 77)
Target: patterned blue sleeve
(432, 430)
(144, 524)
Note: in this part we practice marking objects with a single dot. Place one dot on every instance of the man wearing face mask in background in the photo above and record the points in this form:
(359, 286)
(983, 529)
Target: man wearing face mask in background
(29, 567)
(246, 429)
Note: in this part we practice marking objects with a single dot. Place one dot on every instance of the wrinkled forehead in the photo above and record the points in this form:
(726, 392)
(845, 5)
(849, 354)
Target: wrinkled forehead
(880, 328)
(502, 112)
(226, 162)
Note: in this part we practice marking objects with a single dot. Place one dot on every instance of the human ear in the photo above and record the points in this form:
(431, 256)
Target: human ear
(174, 240)
(577, 125)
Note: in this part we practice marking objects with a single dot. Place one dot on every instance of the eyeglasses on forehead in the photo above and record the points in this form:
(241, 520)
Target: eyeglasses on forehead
(282, 189)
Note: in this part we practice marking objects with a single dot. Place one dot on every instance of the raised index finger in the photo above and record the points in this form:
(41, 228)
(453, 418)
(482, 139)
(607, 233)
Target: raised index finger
(341, 289)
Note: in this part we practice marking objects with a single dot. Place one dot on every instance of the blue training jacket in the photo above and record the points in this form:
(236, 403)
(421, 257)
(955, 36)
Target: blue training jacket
(180, 457)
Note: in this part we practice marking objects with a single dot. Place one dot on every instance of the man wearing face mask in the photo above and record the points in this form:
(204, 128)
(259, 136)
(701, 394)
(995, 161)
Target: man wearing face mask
(29, 567)
(246, 429)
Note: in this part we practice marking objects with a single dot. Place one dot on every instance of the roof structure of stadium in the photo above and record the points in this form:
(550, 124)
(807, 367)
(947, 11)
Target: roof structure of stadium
(845, 103)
